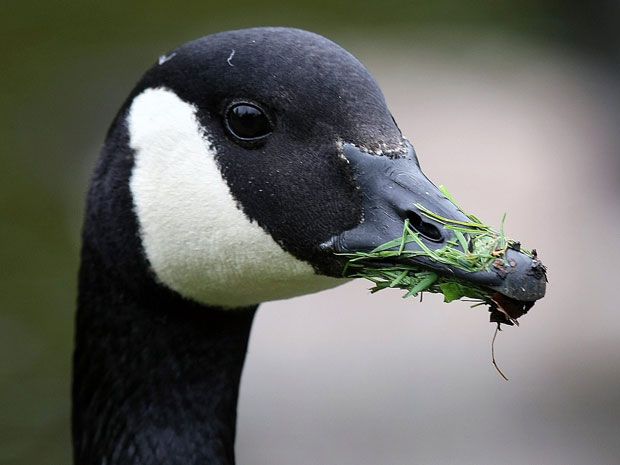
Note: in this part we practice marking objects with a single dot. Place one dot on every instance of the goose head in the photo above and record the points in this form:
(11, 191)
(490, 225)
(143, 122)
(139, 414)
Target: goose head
(251, 160)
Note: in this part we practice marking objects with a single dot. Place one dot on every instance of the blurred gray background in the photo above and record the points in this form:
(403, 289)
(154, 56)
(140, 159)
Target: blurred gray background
(512, 105)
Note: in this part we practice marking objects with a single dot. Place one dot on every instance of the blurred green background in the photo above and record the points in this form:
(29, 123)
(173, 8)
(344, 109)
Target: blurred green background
(67, 66)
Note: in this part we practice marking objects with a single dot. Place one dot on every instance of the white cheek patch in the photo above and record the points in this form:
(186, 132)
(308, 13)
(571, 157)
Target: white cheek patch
(198, 242)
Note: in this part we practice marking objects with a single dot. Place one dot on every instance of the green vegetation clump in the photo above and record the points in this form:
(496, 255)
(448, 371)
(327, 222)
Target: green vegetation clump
(475, 247)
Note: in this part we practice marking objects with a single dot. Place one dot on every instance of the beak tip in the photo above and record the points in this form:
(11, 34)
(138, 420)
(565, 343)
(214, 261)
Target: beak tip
(524, 279)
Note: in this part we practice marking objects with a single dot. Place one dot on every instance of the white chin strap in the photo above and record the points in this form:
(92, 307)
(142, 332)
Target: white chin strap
(196, 239)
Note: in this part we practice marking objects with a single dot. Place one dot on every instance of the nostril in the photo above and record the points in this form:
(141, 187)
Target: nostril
(428, 230)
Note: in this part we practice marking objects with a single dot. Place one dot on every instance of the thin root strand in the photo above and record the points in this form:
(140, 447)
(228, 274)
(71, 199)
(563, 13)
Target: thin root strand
(497, 368)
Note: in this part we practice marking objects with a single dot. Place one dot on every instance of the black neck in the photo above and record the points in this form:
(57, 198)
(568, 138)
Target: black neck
(156, 378)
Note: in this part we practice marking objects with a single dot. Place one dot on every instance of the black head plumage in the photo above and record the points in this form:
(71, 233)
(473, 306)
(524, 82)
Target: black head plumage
(295, 183)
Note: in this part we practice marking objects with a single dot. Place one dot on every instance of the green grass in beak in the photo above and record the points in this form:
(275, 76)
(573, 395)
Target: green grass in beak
(475, 247)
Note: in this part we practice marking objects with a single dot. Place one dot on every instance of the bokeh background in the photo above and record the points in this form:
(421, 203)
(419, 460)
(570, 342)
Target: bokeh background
(512, 105)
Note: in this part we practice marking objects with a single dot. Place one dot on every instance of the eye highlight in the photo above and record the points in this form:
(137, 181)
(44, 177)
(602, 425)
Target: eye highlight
(246, 122)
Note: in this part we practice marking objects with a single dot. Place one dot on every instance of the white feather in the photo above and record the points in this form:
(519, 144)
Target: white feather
(197, 241)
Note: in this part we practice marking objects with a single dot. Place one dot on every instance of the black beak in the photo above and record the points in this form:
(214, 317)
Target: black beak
(391, 187)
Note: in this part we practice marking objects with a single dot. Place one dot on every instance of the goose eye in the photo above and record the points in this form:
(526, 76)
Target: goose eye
(247, 122)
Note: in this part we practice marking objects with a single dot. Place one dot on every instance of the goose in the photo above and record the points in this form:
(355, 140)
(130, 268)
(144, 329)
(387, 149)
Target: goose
(236, 171)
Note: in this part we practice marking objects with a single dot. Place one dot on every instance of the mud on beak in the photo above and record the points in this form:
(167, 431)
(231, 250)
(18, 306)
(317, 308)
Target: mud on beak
(391, 187)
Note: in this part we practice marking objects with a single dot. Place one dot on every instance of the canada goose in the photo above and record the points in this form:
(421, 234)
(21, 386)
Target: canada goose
(239, 164)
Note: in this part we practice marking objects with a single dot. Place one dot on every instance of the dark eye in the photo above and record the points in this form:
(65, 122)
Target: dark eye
(247, 122)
